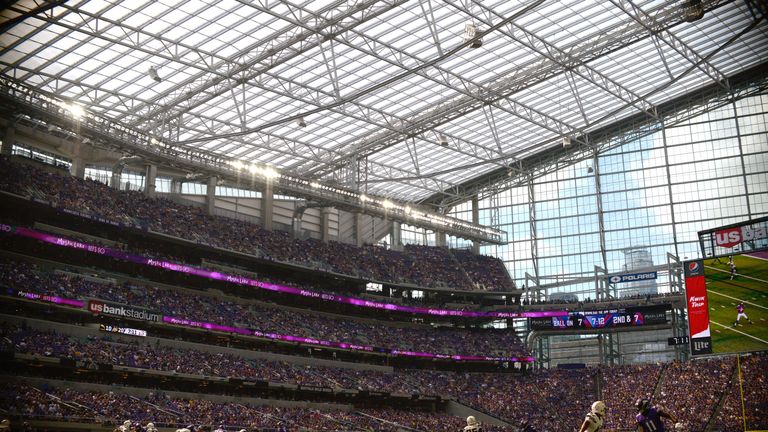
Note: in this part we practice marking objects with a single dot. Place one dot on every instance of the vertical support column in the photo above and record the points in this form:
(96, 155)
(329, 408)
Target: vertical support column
(150, 180)
(669, 187)
(532, 214)
(743, 166)
(9, 137)
(77, 169)
(176, 186)
(267, 206)
(359, 229)
(210, 195)
(397, 237)
(476, 221)
(439, 239)
(600, 217)
(325, 216)
(116, 172)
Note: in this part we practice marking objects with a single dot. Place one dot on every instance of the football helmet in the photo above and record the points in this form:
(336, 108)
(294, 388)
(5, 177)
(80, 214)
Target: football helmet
(642, 405)
(599, 408)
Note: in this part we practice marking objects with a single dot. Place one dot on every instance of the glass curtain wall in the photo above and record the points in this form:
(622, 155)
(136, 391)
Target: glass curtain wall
(655, 194)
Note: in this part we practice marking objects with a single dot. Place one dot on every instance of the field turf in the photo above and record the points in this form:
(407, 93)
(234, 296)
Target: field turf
(749, 286)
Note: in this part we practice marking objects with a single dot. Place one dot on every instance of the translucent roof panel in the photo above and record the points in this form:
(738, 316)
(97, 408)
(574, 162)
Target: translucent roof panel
(317, 87)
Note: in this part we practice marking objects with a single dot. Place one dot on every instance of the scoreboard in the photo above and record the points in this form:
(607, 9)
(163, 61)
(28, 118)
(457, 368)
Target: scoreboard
(621, 317)
(122, 330)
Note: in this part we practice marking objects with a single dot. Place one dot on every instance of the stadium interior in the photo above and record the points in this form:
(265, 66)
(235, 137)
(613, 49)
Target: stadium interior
(384, 215)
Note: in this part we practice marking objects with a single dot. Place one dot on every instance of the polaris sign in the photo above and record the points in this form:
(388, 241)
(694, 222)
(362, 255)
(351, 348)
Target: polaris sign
(633, 277)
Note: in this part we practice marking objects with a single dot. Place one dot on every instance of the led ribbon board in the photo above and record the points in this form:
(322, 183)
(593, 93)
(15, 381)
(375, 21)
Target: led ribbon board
(241, 280)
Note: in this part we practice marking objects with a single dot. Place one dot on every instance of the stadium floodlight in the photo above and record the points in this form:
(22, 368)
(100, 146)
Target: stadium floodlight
(300, 121)
(270, 173)
(152, 73)
(387, 204)
(470, 31)
(315, 185)
(73, 109)
(442, 140)
(693, 10)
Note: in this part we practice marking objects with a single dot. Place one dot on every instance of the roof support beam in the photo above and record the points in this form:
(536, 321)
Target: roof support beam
(535, 72)
(658, 29)
(334, 19)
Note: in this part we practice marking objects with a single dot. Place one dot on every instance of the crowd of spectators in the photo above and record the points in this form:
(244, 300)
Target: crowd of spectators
(423, 266)
(23, 276)
(754, 384)
(165, 357)
(112, 408)
(692, 390)
(546, 400)
(622, 301)
(622, 385)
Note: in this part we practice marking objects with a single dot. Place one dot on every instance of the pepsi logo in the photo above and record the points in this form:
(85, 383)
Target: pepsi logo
(693, 267)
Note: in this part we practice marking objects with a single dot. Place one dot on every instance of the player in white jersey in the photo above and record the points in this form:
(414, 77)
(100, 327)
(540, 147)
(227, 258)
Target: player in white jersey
(593, 422)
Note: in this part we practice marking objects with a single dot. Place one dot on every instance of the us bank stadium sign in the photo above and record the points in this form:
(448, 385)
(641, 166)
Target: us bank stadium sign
(632, 277)
(749, 236)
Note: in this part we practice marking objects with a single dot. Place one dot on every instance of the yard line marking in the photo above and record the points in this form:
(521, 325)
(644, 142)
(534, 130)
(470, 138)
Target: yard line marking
(737, 274)
(735, 298)
(741, 332)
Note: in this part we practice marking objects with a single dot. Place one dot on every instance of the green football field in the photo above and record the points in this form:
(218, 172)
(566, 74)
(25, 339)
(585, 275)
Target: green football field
(749, 286)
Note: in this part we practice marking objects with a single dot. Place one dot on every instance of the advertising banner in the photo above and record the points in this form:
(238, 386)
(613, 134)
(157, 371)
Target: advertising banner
(633, 277)
(748, 236)
(698, 309)
(100, 307)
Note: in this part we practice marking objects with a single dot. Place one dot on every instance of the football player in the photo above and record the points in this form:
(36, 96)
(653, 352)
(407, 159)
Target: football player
(649, 418)
(473, 425)
(740, 314)
(595, 418)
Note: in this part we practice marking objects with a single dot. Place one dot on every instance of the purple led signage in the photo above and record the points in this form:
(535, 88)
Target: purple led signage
(241, 280)
(311, 341)
(59, 241)
(51, 299)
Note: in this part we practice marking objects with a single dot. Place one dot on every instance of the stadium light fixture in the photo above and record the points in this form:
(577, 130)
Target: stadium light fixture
(442, 140)
(73, 109)
(470, 31)
(300, 121)
(152, 73)
(270, 173)
(693, 10)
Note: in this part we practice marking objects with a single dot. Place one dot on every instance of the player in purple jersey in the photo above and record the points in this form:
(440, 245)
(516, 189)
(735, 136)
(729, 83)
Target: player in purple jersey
(740, 314)
(649, 418)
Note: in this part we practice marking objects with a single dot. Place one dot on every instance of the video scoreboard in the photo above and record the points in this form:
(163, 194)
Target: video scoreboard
(620, 317)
